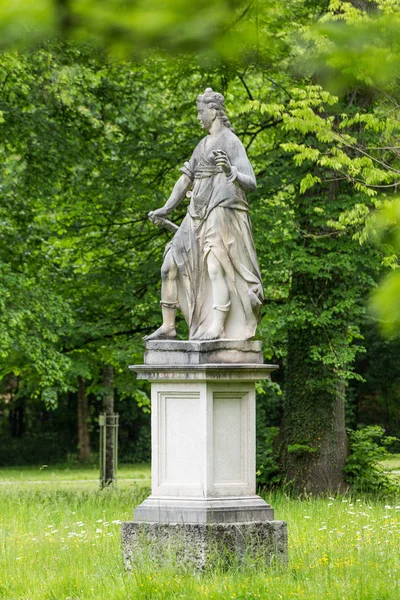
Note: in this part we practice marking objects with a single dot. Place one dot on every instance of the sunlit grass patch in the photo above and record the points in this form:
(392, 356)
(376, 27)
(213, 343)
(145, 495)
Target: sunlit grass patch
(392, 464)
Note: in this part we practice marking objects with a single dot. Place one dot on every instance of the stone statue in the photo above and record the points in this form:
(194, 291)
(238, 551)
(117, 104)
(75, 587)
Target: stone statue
(210, 269)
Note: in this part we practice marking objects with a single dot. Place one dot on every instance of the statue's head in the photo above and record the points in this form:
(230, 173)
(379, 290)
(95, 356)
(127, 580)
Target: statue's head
(211, 106)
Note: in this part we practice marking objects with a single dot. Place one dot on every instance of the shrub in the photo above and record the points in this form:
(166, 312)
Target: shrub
(363, 469)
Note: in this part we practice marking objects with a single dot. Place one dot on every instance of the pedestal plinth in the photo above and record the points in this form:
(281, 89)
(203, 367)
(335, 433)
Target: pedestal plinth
(203, 452)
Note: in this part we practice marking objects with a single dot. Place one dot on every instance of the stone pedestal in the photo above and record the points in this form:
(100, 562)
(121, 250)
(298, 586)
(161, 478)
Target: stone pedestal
(203, 454)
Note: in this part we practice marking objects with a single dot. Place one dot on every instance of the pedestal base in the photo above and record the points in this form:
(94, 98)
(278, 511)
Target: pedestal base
(203, 546)
(242, 509)
(203, 511)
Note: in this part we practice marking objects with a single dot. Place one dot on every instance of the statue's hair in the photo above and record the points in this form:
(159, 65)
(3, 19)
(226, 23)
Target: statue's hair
(216, 101)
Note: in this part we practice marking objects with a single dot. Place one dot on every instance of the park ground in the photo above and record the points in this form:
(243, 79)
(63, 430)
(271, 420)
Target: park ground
(60, 540)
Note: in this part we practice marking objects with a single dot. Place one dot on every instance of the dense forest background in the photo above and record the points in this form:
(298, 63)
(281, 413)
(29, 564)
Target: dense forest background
(93, 131)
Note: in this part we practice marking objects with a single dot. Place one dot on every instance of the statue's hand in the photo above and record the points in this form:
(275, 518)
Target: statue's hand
(154, 214)
(222, 160)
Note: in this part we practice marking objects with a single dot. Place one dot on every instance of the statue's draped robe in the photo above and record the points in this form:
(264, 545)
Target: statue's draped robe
(217, 221)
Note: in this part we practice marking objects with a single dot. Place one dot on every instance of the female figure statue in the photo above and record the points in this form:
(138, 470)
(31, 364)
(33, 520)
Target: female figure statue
(210, 269)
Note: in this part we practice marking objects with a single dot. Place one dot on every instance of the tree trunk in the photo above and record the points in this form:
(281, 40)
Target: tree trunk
(17, 418)
(17, 404)
(84, 451)
(313, 441)
(108, 409)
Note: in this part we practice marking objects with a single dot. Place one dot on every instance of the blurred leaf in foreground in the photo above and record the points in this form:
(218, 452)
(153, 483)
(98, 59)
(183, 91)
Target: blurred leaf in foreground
(221, 29)
(385, 301)
(23, 21)
(352, 46)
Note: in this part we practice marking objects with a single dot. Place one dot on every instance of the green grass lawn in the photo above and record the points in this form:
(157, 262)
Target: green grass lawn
(60, 540)
(65, 476)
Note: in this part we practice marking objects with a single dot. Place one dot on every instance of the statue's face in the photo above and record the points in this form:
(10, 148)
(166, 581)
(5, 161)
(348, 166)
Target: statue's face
(205, 115)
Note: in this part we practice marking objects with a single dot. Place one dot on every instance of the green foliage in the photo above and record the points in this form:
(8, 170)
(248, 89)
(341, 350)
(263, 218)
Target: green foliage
(363, 469)
(90, 143)
(267, 468)
(221, 30)
(79, 260)
(268, 418)
(359, 46)
(375, 398)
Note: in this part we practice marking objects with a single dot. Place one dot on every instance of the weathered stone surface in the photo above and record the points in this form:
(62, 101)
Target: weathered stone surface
(203, 546)
(175, 352)
(241, 509)
(203, 508)
(210, 269)
(208, 372)
(203, 436)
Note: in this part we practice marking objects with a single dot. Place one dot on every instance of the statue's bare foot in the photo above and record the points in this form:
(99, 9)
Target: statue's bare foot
(162, 333)
(215, 332)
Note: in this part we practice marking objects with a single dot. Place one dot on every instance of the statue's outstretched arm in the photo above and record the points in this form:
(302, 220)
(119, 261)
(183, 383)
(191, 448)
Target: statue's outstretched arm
(183, 184)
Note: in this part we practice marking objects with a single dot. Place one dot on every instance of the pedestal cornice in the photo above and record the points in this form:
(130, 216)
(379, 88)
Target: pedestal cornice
(204, 372)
